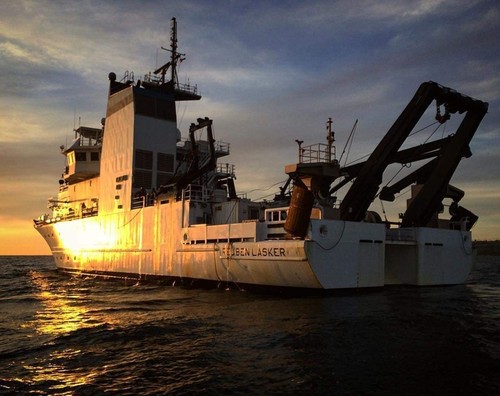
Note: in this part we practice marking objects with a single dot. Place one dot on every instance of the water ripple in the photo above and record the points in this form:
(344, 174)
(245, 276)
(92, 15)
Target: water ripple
(76, 335)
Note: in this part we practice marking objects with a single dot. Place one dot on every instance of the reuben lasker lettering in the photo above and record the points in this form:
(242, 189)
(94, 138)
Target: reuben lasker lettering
(254, 251)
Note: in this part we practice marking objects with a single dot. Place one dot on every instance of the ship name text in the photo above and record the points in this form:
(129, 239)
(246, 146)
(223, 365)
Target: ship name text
(253, 252)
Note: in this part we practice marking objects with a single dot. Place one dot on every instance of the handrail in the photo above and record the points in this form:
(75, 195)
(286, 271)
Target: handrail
(45, 219)
(317, 153)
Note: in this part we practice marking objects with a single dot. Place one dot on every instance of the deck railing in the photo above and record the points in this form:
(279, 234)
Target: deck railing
(318, 152)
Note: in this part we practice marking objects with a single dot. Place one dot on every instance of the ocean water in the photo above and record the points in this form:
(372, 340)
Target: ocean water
(72, 335)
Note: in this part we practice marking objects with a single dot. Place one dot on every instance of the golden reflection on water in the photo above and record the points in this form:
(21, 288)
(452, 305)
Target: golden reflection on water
(61, 313)
(63, 380)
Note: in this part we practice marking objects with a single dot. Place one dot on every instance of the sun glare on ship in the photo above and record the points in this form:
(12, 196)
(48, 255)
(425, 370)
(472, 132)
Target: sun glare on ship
(89, 236)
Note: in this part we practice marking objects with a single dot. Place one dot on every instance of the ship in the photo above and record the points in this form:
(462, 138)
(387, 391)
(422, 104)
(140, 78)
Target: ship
(137, 200)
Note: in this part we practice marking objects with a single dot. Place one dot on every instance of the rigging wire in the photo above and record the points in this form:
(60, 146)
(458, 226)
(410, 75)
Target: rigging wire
(264, 189)
(182, 116)
(357, 160)
(406, 165)
(265, 196)
(349, 141)
(231, 213)
(411, 134)
(132, 218)
(393, 177)
(423, 128)
(433, 132)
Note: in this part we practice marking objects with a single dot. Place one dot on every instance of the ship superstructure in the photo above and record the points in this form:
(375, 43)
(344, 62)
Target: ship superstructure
(138, 200)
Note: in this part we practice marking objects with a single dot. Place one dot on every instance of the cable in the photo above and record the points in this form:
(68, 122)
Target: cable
(336, 243)
(421, 129)
(351, 135)
(265, 196)
(231, 212)
(264, 189)
(356, 160)
(139, 211)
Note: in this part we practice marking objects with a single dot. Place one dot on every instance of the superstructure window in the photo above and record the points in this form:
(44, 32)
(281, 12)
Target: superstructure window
(164, 167)
(143, 159)
(165, 162)
(94, 156)
(81, 155)
(154, 107)
(143, 169)
(143, 179)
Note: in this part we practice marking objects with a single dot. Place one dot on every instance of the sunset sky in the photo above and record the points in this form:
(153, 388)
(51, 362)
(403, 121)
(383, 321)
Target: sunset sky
(269, 72)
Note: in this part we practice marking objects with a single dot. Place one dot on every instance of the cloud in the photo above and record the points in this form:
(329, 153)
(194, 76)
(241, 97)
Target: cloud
(270, 72)
(11, 50)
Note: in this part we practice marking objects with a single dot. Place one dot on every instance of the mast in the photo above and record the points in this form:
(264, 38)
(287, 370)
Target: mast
(181, 91)
(174, 57)
(330, 138)
(173, 50)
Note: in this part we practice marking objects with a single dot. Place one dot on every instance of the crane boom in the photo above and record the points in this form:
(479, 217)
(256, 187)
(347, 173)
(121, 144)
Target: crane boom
(369, 174)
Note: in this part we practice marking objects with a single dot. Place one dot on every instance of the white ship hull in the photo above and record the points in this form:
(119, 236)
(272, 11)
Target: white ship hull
(428, 256)
(151, 242)
(137, 200)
